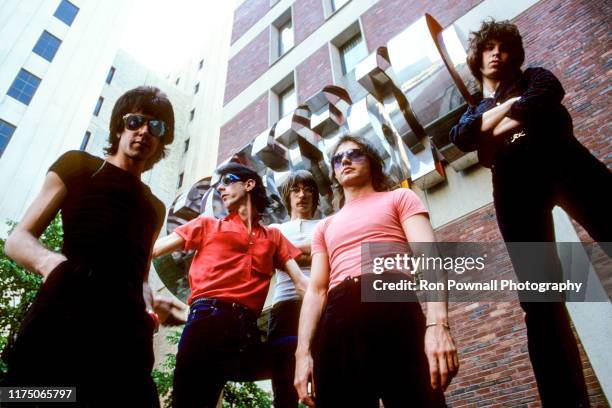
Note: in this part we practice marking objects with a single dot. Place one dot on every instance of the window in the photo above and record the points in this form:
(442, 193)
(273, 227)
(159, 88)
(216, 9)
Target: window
(186, 146)
(196, 88)
(285, 38)
(98, 106)
(24, 86)
(6, 132)
(352, 52)
(111, 74)
(177, 81)
(336, 4)
(192, 114)
(85, 140)
(180, 180)
(47, 46)
(201, 64)
(66, 12)
(287, 101)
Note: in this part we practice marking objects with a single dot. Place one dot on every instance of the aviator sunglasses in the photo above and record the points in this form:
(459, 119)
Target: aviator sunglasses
(227, 179)
(353, 155)
(134, 121)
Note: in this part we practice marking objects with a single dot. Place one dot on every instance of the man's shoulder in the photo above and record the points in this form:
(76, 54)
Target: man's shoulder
(77, 158)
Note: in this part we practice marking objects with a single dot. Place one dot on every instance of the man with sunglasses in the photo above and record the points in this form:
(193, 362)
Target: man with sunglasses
(300, 195)
(91, 324)
(368, 351)
(229, 278)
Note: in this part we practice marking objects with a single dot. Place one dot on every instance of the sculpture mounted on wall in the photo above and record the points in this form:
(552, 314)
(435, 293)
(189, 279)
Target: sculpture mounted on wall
(411, 92)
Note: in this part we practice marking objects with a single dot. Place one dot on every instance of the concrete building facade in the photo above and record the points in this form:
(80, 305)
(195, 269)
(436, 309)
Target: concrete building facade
(284, 52)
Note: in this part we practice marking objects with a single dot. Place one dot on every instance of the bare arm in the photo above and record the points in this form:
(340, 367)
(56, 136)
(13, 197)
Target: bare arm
(297, 276)
(167, 244)
(312, 307)
(439, 346)
(305, 259)
(23, 245)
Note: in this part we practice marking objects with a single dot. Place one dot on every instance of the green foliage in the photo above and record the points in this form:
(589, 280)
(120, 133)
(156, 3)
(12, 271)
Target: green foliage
(18, 287)
(235, 395)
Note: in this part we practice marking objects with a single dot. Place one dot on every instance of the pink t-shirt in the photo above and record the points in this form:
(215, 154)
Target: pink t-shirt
(376, 217)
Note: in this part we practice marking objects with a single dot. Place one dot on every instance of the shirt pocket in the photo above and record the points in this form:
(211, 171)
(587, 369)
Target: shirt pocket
(263, 253)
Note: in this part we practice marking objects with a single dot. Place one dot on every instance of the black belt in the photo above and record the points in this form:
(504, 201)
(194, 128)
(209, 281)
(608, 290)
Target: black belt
(223, 304)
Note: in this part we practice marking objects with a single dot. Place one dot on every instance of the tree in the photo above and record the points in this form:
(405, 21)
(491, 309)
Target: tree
(18, 287)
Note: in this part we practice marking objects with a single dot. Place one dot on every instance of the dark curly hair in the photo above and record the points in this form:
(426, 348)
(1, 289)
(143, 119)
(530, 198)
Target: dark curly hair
(147, 100)
(305, 178)
(503, 31)
(380, 181)
(258, 193)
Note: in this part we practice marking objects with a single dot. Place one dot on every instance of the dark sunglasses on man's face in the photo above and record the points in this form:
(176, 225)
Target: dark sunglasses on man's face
(134, 121)
(227, 179)
(353, 155)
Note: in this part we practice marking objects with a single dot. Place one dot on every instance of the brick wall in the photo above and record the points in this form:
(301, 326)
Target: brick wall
(387, 18)
(248, 65)
(243, 128)
(245, 16)
(491, 337)
(572, 39)
(313, 74)
(308, 16)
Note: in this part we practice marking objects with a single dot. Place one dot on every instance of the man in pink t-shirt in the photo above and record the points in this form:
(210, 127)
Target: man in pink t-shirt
(369, 351)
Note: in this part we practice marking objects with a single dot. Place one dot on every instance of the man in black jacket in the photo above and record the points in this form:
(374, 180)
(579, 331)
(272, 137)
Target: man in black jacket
(525, 135)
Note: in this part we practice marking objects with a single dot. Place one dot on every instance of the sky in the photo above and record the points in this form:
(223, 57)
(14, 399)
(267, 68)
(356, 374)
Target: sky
(181, 20)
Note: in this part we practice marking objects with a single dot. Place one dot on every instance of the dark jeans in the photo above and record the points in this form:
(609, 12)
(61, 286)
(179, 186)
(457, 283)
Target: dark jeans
(77, 334)
(524, 196)
(220, 342)
(282, 341)
(371, 351)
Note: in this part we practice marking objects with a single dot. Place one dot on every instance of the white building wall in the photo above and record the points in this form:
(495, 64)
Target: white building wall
(58, 114)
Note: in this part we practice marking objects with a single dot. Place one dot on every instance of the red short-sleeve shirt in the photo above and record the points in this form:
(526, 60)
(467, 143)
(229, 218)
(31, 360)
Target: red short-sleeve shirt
(230, 264)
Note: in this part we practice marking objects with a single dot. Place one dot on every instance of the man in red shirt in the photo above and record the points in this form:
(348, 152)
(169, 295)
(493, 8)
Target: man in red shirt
(229, 279)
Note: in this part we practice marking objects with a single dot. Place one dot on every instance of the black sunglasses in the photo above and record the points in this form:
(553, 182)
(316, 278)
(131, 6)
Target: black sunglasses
(353, 155)
(134, 121)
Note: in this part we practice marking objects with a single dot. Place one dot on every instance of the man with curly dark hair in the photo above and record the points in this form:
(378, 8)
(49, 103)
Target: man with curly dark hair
(229, 277)
(525, 135)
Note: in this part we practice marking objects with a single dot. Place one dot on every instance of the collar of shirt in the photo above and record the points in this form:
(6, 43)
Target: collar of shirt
(235, 219)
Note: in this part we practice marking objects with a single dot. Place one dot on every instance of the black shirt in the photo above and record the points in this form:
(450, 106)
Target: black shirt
(547, 129)
(109, 218)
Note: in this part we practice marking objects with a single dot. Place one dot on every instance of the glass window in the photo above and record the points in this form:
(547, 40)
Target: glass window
(6, 132)
(111, 74)
(285, 38)
(47, 46)
(24, 86)
(352, 52)
(85, 140)
(66, 12)
(287, 101)
(177, 81)
(180, 180)
(192, 114)
(98, 106)
(336, 4)
(186, 146)
(201, 64)
(196, 88)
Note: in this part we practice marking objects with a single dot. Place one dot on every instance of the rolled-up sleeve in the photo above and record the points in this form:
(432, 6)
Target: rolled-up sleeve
(466, 134)
(543, 92)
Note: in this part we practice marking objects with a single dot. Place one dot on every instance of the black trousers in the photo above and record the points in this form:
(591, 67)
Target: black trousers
(282, 341)
(524, 196)
(220, 343)
(371, 351)
(77, 333)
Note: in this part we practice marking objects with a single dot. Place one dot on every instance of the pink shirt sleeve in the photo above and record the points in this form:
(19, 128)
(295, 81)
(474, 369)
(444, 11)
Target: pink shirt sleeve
(318, 244)
(407, 204)
(193, 233)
